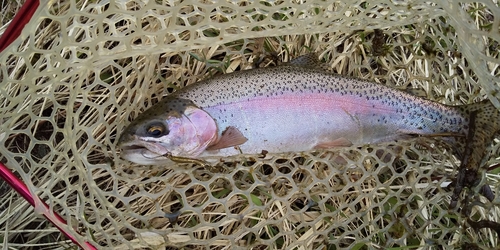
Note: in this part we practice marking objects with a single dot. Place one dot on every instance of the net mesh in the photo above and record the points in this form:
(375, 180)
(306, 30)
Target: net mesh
(82, 69)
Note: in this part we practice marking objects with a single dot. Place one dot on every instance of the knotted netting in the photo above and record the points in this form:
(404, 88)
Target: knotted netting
(81, 70)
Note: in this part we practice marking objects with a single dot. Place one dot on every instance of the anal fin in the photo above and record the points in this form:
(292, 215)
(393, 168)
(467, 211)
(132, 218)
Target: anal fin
(340, 142)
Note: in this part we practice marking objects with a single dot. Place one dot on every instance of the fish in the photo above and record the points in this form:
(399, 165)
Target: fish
(295, 107)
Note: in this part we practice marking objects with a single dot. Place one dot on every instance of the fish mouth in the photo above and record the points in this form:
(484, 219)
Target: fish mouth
(138, 148)
(142, 145)
(141, 154)
(132, 147)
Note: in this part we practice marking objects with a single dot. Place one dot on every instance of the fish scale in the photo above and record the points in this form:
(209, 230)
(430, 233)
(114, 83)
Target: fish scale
(294, 107)
(413, 109)
(298, 109)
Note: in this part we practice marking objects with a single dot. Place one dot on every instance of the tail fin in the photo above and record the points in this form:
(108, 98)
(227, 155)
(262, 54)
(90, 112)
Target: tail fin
(486, 125)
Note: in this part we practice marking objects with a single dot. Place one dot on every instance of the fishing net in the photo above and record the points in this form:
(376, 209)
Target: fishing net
(81, 70)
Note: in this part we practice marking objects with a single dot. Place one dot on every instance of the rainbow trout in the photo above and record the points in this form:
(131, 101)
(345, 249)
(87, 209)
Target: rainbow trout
(290, 108)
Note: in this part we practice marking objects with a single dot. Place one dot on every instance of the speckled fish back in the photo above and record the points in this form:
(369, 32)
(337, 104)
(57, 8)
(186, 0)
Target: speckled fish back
(409, 110)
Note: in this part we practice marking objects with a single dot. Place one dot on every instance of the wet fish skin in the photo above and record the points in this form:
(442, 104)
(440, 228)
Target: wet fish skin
(288, 108)
(487, 127)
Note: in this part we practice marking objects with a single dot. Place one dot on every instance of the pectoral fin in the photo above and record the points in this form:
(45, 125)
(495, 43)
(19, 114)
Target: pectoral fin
(230, 137)
(340, 142)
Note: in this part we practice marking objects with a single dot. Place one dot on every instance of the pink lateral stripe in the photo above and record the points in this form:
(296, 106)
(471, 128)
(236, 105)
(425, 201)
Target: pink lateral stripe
(17, 24)
(40, 206)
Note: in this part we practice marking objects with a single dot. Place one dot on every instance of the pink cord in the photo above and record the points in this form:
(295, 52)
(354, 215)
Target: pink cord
(40, 206)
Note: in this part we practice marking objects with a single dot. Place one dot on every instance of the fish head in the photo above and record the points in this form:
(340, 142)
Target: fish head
(174, 127)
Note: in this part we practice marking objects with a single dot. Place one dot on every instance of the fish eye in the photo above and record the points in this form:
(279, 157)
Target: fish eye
(155, 130)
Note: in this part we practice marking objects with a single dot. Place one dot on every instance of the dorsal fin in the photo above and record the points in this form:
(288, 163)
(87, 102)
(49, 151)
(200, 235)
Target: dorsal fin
(416, 92)
(309, 61)
(306, 60)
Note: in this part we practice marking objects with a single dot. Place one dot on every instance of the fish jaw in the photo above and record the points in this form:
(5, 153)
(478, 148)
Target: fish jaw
(143, 156)
(143, 152)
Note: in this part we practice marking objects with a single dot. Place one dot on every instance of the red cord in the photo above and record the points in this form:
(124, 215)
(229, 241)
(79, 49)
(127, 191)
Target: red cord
(17, 24)
(11, 33)
(40, 206)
